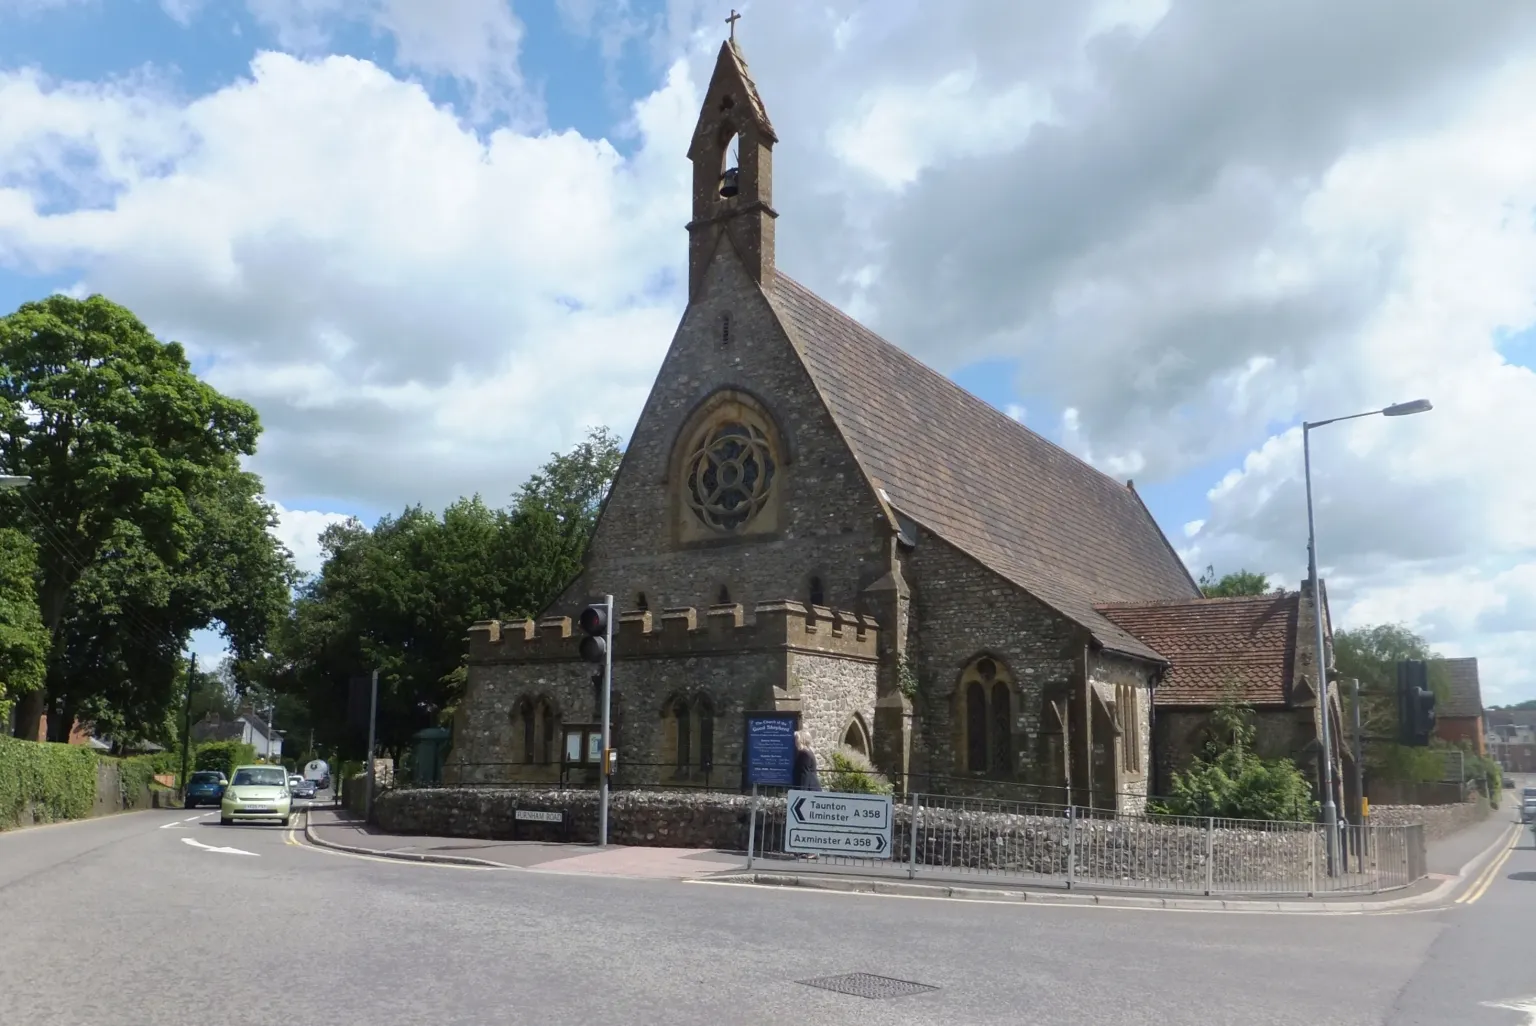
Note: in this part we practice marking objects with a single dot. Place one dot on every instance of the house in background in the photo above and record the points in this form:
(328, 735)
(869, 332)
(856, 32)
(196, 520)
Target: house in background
(1459, 716)
(246, 727)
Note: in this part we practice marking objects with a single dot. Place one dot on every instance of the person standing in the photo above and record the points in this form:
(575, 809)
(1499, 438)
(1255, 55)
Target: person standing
(806, 778)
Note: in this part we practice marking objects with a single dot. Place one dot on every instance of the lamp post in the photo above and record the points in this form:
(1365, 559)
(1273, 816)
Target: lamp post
(13, 481)
(1330, 810)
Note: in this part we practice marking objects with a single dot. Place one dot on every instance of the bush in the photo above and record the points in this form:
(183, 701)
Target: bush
(852, 771)
(1228, 781)
(224, 756)
(57, 781)
(134, 776)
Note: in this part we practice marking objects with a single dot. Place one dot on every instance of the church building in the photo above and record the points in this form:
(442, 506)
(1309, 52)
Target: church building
(809, 520)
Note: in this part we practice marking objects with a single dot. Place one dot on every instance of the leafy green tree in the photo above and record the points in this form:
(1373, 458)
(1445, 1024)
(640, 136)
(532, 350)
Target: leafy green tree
(398, 597)
(1227, 779)
(1370, 655)
(23, 638)
(1233, 585)
(147, 527)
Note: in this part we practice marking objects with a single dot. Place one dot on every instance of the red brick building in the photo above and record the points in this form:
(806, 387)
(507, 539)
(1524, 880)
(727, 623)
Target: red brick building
(1459, 713)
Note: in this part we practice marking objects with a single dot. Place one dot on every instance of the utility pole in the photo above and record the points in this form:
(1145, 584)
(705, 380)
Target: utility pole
(607, 765)
(186, 724)
(373, 714)
(1359, 756)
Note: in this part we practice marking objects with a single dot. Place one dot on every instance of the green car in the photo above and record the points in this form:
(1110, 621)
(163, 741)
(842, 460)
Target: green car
(257, 793)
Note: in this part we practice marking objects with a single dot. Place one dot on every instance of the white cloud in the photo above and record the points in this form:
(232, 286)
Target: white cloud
(182, 12)
(392, 290)
(300, 530)
(477, 42)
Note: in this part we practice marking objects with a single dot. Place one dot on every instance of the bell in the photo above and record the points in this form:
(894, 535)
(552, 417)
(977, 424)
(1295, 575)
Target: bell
(729, 182)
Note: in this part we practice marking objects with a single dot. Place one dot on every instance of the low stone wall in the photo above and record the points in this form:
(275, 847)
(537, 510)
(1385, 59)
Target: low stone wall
(1439, 820)
(1129, 851)
(657, 819)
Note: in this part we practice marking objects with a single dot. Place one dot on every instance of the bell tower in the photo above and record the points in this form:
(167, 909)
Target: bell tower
(732, 155)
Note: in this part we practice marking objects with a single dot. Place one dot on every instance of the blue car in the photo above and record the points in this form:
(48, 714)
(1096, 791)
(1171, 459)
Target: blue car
(205, 787)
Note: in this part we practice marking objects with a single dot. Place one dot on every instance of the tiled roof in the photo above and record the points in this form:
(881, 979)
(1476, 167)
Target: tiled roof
(1249, 642)
(1464, 696)
(1032, 512)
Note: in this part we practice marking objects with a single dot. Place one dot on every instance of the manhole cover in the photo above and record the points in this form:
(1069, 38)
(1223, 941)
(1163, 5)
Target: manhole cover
(868, 985)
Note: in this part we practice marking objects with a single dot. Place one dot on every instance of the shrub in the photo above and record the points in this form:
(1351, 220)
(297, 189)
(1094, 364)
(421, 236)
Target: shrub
(57, 781)
(1227, 780)
(134, 776)
(852, 771)
(224, 756)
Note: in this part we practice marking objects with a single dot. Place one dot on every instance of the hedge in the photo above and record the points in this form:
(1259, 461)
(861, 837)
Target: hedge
(134, 776)
(224, 756)
(57, 781)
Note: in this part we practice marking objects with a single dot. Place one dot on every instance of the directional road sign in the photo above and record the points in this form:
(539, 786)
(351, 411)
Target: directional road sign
(832, 823)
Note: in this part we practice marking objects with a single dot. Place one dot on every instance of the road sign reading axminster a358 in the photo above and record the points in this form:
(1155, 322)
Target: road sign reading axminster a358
(833, 823)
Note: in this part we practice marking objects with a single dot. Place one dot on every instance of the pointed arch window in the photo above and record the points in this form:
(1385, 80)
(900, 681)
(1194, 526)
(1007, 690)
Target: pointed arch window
(986, 709)
(684, 748)
(704, 715)
(526, 718)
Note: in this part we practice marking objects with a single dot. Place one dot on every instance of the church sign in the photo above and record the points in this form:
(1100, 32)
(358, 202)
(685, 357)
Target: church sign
(831, 823)
(771, 749)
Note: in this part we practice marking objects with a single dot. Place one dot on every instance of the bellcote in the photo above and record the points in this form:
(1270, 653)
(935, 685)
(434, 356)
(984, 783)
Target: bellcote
(732, 155)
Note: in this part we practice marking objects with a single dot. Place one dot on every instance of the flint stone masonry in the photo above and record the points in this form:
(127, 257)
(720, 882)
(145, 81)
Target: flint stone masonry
(654, 819)
(1119, 852)
(787, 657)
(1439, 820)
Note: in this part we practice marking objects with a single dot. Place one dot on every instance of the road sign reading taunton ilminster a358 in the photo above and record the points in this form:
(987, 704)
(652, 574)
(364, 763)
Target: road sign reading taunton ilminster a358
(832, 823)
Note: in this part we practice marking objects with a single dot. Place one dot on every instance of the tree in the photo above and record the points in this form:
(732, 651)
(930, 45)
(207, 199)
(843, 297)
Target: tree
(1243, 582)
(398, 598)
(1370, 655)
(147, 527)
(23, 638)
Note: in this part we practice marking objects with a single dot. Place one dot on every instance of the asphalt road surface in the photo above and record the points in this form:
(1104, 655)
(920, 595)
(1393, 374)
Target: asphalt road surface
(166, 918)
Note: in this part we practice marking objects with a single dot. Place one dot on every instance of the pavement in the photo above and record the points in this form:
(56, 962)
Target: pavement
(166, 918)
(344, 831)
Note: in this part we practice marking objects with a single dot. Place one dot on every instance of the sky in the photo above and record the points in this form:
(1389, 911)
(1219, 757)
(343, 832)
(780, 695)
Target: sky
(434, 241)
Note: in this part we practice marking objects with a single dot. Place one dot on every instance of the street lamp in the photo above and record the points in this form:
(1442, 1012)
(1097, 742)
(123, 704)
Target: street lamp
(12, 481)
(1330, 811)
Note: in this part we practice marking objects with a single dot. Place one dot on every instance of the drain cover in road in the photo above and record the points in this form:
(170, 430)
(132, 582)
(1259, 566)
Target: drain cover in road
(868, 985)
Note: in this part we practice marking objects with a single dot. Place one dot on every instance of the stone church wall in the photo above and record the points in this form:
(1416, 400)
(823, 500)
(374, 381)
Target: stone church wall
(820, 663)
(1126, 776)
(961, 610)
(828, 519)
(834, 694)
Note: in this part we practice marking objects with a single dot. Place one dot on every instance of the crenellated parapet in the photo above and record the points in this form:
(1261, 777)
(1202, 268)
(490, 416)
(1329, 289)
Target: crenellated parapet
(684, 631)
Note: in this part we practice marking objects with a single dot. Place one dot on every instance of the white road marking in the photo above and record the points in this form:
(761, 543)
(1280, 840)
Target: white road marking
(194, 819)
(194, 842)
(1525, 1004)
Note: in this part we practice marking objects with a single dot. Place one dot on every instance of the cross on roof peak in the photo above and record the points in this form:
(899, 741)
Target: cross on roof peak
(732, 20)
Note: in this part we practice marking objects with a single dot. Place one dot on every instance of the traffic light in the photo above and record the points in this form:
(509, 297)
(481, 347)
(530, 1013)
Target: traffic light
(593, 622)
(1415, 703)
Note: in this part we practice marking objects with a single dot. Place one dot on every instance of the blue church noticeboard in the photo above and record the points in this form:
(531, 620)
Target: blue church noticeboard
(770, 758)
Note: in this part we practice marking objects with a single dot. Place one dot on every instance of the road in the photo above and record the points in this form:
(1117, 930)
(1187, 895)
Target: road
(123, 920)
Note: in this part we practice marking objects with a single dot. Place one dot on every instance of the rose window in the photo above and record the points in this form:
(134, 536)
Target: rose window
(730, 476)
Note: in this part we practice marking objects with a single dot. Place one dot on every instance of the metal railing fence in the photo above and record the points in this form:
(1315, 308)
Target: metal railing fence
(947, 837)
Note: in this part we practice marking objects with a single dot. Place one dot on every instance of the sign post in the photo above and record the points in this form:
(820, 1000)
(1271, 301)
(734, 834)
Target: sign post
(833, 823)
(770, 761)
